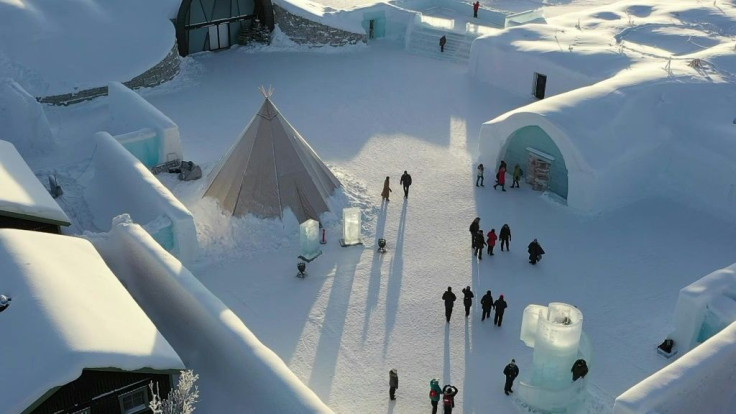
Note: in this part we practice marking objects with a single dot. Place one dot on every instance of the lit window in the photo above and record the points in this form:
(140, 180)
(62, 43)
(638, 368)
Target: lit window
(135, 401)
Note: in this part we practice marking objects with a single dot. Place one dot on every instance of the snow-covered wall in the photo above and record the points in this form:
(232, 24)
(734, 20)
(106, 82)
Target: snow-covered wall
(130, 113)
(116, 183)
(704, 307)
(22, 120)
(703, 379)
(510, 59)
(207, 335)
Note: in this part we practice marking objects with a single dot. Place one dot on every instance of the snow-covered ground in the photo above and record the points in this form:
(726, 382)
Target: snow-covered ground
(372, 111)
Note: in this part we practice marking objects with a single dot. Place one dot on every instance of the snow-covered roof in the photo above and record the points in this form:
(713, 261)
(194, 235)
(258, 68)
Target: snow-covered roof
(55, 47)
(22, 195)
(68, 312)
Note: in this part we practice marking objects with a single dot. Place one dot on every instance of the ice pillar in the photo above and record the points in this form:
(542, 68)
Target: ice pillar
(309, 239)
(350, 226)
(555, 333)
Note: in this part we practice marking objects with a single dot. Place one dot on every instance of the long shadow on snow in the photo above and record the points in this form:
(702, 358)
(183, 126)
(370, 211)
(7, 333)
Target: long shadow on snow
(396, 272)
(325, 360)
(374, 283)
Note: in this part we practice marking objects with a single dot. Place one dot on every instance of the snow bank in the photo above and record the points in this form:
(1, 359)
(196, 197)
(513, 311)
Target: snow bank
(68, 313)
(701, 379)
(57, 47)
(22, 195)
(704, 308)
(116, 183)
(22, 120)
(339, 19)
(569, 59)
(141, 128)
(211, 339)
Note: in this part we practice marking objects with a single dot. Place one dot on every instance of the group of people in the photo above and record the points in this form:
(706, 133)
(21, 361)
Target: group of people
(405, 182)
(479, 240)
(500, 176)
(447, 393)
(486, 303)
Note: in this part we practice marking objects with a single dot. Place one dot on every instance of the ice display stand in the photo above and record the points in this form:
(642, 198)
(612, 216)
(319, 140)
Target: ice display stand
(351, 227)
(309, 240)
(555, 332)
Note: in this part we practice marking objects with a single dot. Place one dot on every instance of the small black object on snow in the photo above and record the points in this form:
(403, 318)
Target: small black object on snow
(4, 302)
(302, 267)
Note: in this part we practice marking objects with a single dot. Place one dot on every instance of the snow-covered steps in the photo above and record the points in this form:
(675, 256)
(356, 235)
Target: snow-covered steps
(424, 33)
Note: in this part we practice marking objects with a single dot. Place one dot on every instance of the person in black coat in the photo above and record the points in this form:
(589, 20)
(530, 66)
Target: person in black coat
(486, 302)
(505, 236)
(535, 252)
(579, 369)
(393, 383)
(467, 300)
(406, 182)
(474, 227)
(443, 41)
(448, 398)
(500, 306)
(479, 243)
(511, 372)
(449, 299)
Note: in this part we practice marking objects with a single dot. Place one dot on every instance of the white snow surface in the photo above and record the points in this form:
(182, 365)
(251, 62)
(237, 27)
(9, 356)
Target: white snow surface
(63, 46)
(372, 111)
(68, 312)
(22, 193)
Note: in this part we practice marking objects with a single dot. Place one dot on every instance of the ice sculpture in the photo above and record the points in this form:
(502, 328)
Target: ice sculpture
(309, 240)
(350, 226)
(555, 332)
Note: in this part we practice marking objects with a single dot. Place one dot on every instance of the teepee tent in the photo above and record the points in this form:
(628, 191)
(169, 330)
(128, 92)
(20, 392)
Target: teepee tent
(269, 168)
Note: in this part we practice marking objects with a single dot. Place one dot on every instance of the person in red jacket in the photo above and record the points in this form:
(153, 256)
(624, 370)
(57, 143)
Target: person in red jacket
(491, 241)
(476, 6)
(501, 178)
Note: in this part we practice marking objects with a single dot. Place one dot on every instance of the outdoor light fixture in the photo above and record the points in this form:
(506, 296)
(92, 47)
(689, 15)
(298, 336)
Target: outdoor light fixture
(382, 245)
(301, 266)
(4, 302)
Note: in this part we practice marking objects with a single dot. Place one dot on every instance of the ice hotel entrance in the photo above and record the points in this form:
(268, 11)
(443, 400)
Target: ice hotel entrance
(542, 162)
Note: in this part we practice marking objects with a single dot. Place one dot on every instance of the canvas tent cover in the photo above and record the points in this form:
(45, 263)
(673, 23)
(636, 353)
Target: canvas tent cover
(270, 168)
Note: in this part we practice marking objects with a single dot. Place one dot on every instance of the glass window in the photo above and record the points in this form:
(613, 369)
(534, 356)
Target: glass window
(134, 401)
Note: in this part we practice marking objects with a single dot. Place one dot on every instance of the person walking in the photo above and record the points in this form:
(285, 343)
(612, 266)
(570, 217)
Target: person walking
(518, 172)
(486, 302)
(479, 175)
(579, 369)
(434, 394)
(474, 227)
(505, 236)
(535, 252)
(448, 398)
(491, 241)
(480, 243)
(501, 177)
(500, 306)
(443, 41)
(393, 383)
(511, 372)
(386, 190)
(449, 299)
(467, 300)
(406, 182)
(476, 6)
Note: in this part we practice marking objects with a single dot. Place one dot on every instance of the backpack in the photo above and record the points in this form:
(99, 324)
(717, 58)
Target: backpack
(447, 400)
(433, 394)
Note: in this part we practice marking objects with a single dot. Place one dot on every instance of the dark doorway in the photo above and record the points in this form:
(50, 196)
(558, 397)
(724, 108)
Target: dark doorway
(371, 28)
(540, 83)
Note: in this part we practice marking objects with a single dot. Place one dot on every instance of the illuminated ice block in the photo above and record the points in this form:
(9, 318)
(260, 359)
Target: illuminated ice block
(309, 239)
(351, 226)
